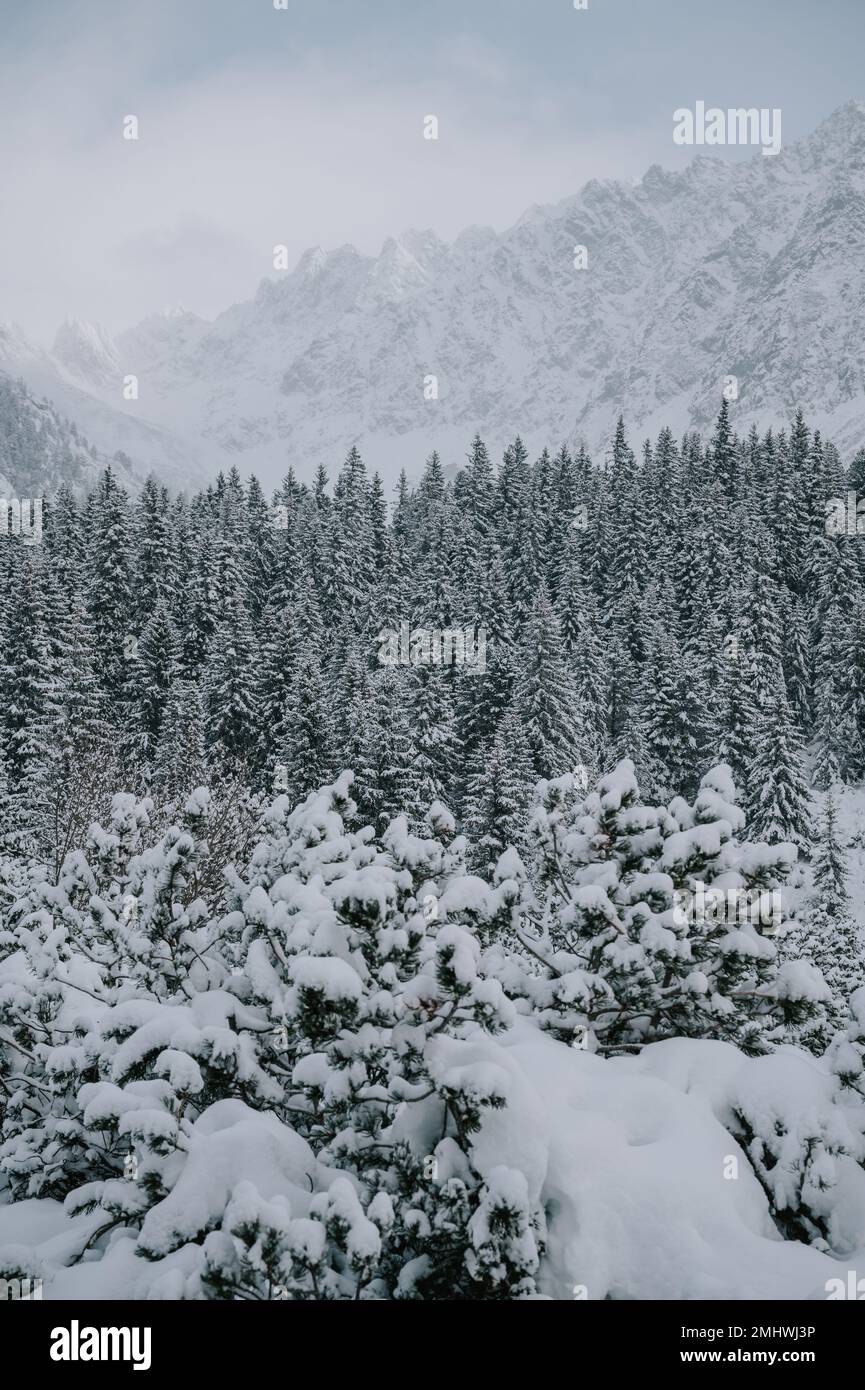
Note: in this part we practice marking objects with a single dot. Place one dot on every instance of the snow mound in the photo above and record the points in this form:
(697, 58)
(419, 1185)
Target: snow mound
(646, 1192)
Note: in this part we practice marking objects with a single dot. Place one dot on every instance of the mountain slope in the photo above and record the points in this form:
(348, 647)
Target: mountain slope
(81, 380)
(754, 269)
(39, 449)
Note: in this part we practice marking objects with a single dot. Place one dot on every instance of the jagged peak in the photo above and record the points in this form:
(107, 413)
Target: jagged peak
(475, 236)
(850, 115)
(422, 242)
(311, 263)
(14, 342)
(84, 332)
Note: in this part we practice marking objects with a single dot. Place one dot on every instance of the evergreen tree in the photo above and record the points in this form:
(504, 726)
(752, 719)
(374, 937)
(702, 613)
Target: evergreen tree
(544, 697)
(110, 595)
(675, 735)
(155, 669)
(308, 736)
(230, 686)
(631, 951)
(828, 936)
(388, 785)
(433, 723)
(29, 710)
(152, 531)
(179, 760)
(498, 792)
(778, 805)
(851, 699)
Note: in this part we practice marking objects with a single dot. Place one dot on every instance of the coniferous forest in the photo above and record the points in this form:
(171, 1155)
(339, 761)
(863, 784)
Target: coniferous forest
(681, 607)
(332, 823)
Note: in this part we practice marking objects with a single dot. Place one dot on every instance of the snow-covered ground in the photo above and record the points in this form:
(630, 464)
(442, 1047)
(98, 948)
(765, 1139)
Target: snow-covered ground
(647, 1195)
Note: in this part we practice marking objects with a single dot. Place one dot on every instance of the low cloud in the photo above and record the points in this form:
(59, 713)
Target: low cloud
(232, 161)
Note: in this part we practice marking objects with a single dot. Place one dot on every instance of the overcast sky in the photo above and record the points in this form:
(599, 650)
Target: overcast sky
(304, 126)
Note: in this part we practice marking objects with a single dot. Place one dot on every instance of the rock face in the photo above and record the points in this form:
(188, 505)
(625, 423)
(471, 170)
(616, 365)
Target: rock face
(88, 354)
(78, 387)
(39, 449)
(751, 269)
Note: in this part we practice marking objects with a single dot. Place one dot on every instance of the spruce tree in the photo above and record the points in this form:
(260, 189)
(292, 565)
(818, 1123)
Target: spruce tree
(308, 736)
(433, 723)
(674, 718)
(110, 591)
(179, 761)
(544, 695)
(498, 793)
(828, 936)
(229, 683)
(777, 799)
(155, 669)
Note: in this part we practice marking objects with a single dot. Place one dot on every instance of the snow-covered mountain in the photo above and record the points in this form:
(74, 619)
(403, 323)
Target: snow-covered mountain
(88, 353)
(81, 380)
(753, 269)
(39, 449)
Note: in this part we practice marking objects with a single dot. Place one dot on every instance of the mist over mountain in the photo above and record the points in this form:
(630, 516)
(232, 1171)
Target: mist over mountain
(39, 449)
(79, 385)
(749, 269)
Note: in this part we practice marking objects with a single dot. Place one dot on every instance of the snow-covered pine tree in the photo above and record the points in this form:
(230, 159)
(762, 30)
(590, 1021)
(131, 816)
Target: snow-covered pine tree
(778, 804)
(389, 783)
(152, 674)
(308, 733)
(29, 709)
(152, 579)
(498, 792)
(827, 935)
(230, 685)
(629, 908)
(544, 695)
(179, 764)
(675, 715)
(851, 696)
(433, 722)
(110, 598)
(280, 644)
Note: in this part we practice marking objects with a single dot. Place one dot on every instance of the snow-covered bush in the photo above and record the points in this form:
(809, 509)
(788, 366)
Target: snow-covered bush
(338, 1000)
(645, 918)
(349, 1072)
